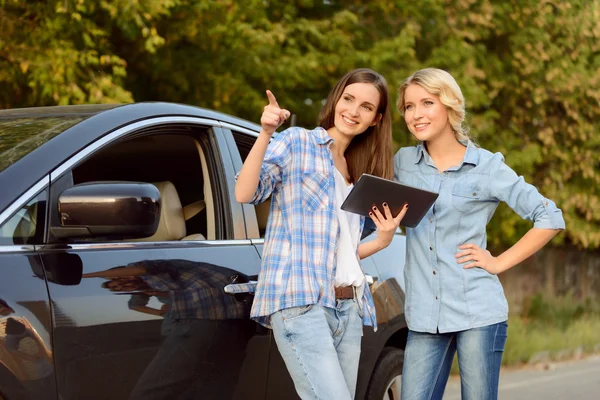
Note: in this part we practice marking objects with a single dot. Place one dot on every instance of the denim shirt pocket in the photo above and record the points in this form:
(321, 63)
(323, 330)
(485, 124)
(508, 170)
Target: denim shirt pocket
(466, 193)
(315, 191)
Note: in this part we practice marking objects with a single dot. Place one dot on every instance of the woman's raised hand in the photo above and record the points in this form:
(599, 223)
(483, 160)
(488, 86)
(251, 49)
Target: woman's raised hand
(273, 115)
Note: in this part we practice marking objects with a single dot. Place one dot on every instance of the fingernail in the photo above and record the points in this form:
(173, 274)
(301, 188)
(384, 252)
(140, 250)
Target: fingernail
(370, 213)
(287, 115)
(374, 208)
(385, 204)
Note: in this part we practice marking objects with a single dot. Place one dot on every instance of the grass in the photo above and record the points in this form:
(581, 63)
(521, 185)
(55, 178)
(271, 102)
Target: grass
(528, 340)
(551, 329)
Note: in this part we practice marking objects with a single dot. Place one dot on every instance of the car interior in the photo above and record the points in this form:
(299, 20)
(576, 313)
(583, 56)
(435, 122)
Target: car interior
(176, 164)
(244, 144)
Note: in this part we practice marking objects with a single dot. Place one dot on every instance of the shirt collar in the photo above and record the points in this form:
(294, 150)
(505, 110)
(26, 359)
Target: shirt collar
(471, 155)
(420, 152)
(321, 136)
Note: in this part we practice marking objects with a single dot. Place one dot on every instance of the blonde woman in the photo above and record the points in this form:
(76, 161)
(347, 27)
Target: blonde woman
(454, 300)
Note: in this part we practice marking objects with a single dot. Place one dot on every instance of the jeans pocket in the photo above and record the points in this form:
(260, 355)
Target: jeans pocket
(359, 307)
(500, 336)
(294, 312)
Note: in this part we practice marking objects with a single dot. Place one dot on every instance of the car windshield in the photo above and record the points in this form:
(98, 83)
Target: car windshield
(24, 130)
(20, 136)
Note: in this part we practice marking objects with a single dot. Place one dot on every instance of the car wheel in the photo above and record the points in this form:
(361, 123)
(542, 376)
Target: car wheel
(387, 376)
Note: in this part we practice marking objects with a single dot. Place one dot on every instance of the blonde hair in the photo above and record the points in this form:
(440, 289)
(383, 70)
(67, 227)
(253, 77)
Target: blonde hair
(441, 84)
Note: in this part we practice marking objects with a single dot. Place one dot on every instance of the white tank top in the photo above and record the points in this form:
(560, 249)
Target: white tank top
(348, 271)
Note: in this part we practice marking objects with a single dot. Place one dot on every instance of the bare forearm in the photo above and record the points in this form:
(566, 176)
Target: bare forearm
(147, 310)
(247, 182)
(117, 272)
(369, 248)
(528, 245)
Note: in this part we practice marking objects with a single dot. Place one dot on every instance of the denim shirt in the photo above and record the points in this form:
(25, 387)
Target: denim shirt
(299, 256)
(442, 296)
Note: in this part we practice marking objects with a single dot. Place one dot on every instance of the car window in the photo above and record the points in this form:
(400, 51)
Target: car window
(244, 143)
(26, 226)
(175, 160)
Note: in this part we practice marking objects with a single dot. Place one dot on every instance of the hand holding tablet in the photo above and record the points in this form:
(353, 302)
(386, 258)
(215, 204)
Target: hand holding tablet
(372, 191)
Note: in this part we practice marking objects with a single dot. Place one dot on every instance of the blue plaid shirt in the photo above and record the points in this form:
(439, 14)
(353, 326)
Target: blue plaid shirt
(195, 289)
(299, 255)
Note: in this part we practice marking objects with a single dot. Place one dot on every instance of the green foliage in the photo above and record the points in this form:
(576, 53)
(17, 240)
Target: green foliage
(560, 327)
(560, 312)
(61, 51)
(530, 70)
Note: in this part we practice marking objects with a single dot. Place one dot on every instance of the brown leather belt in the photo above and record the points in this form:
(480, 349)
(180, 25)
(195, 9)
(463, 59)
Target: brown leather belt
(344, 292)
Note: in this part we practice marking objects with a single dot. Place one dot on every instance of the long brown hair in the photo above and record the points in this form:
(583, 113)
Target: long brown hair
(371, 151)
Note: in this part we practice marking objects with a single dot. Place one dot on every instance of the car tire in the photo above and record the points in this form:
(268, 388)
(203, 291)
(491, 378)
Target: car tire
(387, 375)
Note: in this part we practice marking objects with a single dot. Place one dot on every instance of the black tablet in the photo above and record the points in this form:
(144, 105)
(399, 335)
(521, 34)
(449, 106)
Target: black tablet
(371, 190)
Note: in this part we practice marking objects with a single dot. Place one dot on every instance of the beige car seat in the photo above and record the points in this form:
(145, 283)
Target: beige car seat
(173, 216)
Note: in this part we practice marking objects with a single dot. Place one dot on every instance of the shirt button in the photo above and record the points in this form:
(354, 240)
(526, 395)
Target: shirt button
(436, 297)
(430, 219)
(434, 272)
(430, 248)
(474, 193)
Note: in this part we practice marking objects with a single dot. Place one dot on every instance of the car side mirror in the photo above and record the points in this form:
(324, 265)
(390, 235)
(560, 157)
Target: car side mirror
(109, 210)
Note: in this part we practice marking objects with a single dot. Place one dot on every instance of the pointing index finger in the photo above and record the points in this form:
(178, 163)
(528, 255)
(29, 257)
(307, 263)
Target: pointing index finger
(272, 99)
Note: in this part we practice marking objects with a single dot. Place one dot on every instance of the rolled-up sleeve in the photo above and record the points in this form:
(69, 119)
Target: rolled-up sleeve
(523, 198)
(277, 158)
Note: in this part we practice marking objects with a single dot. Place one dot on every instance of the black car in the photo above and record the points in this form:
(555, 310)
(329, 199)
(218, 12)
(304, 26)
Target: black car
(118, 220)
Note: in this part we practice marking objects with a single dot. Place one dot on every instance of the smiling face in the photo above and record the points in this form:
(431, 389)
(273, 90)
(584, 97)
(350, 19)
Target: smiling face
(425, 115)
(356, 110)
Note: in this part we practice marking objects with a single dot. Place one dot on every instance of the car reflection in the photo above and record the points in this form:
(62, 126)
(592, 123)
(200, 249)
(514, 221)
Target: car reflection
(204, 340)
(25, 354)
(5, 309)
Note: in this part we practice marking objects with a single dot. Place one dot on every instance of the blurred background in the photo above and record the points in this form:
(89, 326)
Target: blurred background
(530, 72)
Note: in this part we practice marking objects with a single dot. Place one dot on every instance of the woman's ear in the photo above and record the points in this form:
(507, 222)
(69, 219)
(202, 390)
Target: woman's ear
(376, 120)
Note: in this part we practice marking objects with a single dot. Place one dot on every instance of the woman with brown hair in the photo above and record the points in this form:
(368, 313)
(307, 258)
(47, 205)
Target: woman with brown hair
(311, 290)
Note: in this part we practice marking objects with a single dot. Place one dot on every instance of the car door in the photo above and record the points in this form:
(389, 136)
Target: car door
(26, 351)
(148, 318)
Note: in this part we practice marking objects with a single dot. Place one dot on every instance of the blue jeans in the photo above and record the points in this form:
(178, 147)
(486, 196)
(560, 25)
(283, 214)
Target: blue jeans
(321, 348)
(428, 359)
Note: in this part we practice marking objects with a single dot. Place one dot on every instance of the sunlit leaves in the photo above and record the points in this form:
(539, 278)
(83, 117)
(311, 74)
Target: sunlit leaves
(529, 69)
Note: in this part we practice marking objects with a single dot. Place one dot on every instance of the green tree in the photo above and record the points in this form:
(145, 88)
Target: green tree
(530, 71)
(60, 51)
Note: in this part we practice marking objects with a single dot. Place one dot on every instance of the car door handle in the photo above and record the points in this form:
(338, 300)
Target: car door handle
(370, 280)
(236, 288)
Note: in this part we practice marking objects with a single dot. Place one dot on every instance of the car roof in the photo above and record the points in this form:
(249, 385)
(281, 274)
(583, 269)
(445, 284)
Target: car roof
(99, 120)
(52, 111)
